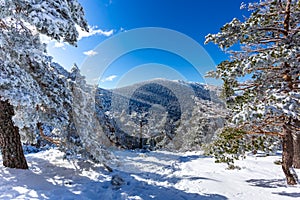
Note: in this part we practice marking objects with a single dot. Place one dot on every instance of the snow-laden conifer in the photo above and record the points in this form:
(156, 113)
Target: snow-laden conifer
(33, 91)
(261, 78)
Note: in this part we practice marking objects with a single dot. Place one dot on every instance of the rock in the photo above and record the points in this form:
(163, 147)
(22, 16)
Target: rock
(117, 181)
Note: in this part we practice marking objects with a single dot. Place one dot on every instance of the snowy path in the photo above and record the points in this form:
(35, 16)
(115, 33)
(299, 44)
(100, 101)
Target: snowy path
(152, 175)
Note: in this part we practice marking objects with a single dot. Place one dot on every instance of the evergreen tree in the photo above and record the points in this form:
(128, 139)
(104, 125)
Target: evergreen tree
(83, 117)
(32, 90)
(261, 78)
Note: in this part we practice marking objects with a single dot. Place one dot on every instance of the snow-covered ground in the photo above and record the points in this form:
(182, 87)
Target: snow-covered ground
(151, 175)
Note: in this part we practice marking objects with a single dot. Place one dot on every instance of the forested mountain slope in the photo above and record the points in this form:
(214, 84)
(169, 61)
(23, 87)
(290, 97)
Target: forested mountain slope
(150, 114)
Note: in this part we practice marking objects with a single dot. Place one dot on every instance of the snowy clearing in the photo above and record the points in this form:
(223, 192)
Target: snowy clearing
(150, 175)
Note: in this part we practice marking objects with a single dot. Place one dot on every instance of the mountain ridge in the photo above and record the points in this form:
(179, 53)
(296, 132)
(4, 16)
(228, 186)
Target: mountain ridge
(149, 112)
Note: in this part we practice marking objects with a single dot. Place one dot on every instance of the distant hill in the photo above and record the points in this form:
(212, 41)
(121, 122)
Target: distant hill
(147, 114)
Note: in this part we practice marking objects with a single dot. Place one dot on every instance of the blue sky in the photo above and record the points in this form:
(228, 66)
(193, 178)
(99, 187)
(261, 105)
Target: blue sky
(192, 19)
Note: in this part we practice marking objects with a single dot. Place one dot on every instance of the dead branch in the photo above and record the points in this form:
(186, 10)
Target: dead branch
(49, 139)
(279, 30)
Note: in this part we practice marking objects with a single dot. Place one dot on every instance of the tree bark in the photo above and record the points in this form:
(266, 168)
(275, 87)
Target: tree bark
(287, 156)
(10, 141)
(296, 143)
(141, 135)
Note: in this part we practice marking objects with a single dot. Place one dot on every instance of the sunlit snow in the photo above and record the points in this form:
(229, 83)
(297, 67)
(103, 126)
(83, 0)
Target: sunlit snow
(148, 175)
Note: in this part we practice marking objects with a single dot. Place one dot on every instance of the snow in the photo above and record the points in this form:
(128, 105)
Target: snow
(148, 175)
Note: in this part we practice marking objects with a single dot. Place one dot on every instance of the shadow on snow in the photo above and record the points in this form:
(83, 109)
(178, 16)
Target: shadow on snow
(56, 182)
(268, 183)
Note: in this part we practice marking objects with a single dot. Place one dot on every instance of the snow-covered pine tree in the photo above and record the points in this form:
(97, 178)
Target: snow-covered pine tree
(32, 91)
(261, 78)
(86, 124)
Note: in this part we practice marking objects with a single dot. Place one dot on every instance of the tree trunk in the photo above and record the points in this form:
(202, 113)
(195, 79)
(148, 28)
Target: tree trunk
(296, 143)
(11, 146)
(287, 156)
(141, 135)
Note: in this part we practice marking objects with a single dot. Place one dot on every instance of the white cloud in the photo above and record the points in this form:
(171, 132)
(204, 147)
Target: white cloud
(47, 40)
(109, 78)
(81, 34)
(93, 31)
(59, 44)
(90, 53)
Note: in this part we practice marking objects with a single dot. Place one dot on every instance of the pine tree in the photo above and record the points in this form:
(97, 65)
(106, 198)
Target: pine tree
(261, 78)
(32, 90)
(83, 117)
